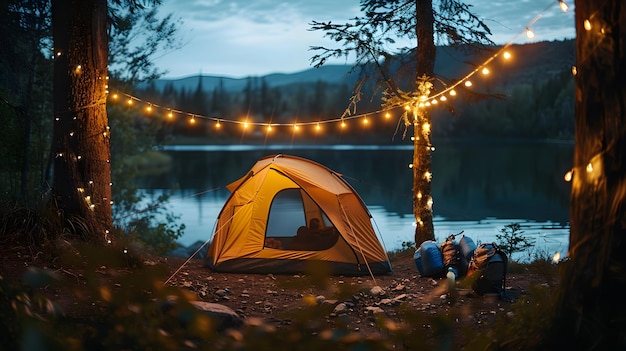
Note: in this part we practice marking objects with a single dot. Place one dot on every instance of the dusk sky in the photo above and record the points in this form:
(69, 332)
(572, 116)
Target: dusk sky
(239, 38)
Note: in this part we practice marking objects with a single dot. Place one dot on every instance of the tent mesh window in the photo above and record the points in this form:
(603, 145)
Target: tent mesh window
(297, 223)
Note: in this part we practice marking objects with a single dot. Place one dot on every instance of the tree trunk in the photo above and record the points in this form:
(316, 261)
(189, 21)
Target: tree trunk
(425, 64)
(591, 301)
(81, 144)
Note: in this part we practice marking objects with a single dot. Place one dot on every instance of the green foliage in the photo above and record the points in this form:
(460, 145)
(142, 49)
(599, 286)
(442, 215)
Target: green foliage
(146, 221)
(407, 249)
(511, 239)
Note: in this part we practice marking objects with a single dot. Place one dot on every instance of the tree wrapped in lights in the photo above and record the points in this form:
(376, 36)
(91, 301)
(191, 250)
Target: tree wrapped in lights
(368, 38)
(80, 145)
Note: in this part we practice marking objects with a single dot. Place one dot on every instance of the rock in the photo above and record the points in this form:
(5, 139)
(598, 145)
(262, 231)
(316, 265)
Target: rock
(386, 301)
(377, 291)
(319, 299)
(374, 310)
(226, 317)
(340, 309)
(221, 292)
(400, 287)
(400, 297)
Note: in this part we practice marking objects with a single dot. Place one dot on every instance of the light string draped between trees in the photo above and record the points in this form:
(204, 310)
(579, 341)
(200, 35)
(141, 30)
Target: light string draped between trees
(421, 101)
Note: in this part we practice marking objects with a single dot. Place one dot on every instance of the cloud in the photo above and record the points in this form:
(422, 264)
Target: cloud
(241, 37)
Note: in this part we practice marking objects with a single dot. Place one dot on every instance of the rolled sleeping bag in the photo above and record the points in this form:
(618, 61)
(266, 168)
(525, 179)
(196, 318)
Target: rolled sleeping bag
(467, 246)
(429, 258)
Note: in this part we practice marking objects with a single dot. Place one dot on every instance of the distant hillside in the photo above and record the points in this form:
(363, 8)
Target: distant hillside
(330, 74)
(530, 62)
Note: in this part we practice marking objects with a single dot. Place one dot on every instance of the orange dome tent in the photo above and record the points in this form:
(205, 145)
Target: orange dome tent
(262, 227)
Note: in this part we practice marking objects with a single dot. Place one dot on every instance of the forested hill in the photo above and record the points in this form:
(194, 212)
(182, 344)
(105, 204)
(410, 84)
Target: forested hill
(530, 61)
(529, 95)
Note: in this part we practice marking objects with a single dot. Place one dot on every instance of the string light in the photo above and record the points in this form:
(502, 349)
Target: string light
(421, 103)
(529, 33)
(568, 176)
(587, 24)
(563, 6)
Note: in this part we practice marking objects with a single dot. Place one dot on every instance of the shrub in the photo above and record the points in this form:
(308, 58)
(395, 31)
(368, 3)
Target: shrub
(512, 239)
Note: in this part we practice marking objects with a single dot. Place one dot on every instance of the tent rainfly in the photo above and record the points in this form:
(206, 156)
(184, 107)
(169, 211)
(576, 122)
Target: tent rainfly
(288, 212)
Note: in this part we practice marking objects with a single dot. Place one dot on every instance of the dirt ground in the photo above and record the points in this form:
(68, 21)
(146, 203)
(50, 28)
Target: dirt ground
(353, 301)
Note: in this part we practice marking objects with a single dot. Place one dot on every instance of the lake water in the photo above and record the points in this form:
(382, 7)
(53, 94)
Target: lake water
(477, 188)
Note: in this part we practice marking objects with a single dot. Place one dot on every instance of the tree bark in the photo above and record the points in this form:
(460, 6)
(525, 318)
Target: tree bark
(591, 303)
(425, 64)
(81, 144)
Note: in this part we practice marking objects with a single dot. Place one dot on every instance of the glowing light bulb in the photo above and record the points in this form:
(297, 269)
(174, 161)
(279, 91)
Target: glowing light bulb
(192, 120)
(410, 165)
(387, 115)
(506, 55)
(296, 127)
(485, 71)
(568, 176)
(429, 203)
(170, 114)
(419, 195)
(149, 108)
(365, 120)
(557, 257)
(443, 98)
(574, 70)
(427, 104)
(269, 128)
(529, 33)
(318, 127)
(428, 176)
(343, 124)
(589, 168)
(407, 107)
(245, 125)
(218, 124)
(434, 102)
(426, 127)
(563, 6)
(468, 83)
(587, 24)
(115, 96)
(130, 101)
(452, 92)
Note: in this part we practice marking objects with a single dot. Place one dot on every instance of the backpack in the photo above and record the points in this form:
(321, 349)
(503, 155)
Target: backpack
(453, 259)
(488, 267)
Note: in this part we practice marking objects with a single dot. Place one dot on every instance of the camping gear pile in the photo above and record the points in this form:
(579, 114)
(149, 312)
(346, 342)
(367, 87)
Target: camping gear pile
(485, 265)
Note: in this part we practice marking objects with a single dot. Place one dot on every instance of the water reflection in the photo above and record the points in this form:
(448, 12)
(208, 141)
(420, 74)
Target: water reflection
(476, 187)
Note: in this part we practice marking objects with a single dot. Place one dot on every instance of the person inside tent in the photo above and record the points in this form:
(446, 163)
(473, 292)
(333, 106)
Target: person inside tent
(306, 237)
